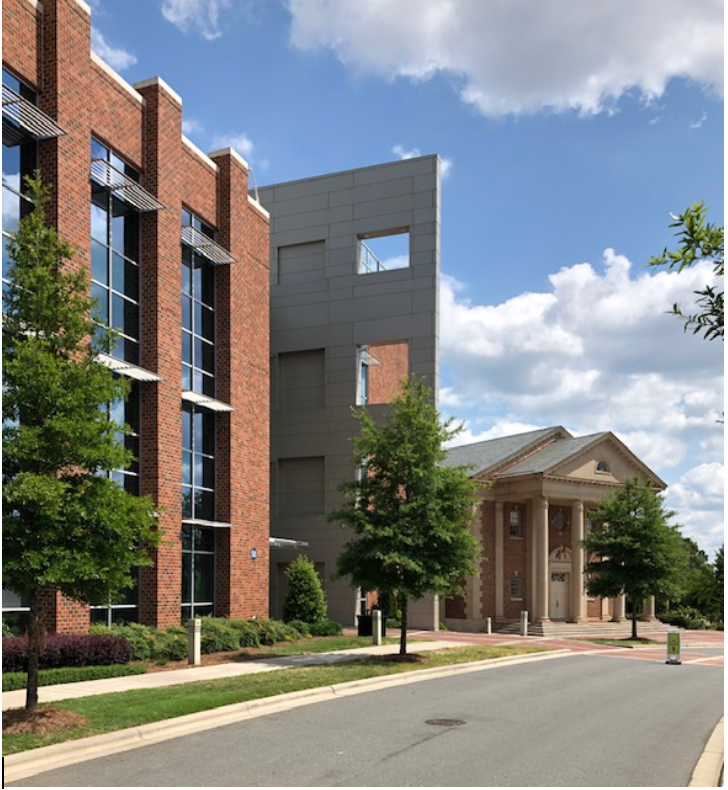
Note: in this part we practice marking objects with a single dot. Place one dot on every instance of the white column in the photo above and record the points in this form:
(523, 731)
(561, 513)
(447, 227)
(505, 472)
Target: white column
(648, 608)
(578, 598)
(619, 608)
(541, 522)
(499, 560)
(532, 562)
(473, 584)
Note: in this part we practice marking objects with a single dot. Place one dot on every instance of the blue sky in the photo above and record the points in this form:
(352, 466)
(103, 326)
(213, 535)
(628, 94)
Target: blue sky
(568, 132)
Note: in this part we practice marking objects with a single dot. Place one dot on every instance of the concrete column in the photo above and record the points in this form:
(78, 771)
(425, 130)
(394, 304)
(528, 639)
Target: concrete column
(541, 523)
(532, 586)
(473, 584)
(648, 609)
(619, 608)
(578, 598)
(498, 560)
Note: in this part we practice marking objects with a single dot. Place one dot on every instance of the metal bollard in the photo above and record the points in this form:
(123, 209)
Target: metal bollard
(194, 640)
(488, 626)
(524, 623)
(376, 626)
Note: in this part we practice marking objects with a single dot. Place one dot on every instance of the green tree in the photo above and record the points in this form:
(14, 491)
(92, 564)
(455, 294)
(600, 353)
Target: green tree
(66, 524)
(709, 592)
(305, 599)
(411, 514)
(635, 551)
(698, 240)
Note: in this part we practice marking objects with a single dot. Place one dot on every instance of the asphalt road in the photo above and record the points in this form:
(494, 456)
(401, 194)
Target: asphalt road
(584, 721)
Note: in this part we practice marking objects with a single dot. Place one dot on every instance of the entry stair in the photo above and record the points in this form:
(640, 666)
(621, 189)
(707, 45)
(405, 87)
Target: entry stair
(555, 629)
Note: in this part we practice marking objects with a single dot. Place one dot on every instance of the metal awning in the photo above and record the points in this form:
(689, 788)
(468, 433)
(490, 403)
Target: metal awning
(201, 522)
(123, 187)
(205, 246)
(205, 401)
(368, 359)
(23, 121)
(287, 543)
(127, 368)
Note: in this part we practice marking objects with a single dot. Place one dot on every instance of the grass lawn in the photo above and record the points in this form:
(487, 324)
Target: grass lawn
(624, 642)
(110, 712)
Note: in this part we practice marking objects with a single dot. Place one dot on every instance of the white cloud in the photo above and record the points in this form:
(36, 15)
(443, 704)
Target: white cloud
(697, 499)
(597, 352)
(201, 16)
(191, 126)
(118, 58)
(524, 56)
(240, 142)
(697, 124)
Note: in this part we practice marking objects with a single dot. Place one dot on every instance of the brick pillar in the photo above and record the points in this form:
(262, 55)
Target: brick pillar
(243, 381)
(65, 95)
(161, 350)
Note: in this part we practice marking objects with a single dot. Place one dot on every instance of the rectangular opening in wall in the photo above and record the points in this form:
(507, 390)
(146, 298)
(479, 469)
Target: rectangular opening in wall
(300, 380)
(384, 251)
(381, 371)
(301, 263)
(300, 486)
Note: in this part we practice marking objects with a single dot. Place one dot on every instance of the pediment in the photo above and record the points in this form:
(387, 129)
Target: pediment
(607, 460)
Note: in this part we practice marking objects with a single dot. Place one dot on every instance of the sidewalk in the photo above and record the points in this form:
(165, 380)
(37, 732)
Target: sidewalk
(88, 688)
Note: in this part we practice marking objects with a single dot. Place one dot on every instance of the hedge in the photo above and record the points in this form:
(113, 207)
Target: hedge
(14, 681)
(67, 650)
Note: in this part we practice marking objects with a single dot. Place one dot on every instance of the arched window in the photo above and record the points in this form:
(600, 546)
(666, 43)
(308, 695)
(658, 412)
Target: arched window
(603, 466)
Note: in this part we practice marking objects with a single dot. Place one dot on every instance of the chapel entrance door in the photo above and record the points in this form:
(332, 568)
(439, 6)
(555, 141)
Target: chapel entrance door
(559, 596)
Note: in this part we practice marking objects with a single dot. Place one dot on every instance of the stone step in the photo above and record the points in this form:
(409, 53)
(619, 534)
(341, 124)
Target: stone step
(564, 630)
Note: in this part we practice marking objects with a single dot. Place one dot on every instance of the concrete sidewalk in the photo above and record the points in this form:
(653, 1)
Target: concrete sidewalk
(16, 699)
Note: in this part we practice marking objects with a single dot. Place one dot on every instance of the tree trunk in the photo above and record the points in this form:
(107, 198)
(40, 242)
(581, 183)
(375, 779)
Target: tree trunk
(36, 639)
(634, 619)
(403, 632)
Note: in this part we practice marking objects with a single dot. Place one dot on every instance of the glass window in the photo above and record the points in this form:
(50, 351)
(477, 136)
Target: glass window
(516, 527)
(516, 586)
(198, 315)
(115, 251)
(198, 572)
(198, 463)
(19, 160)
(122, 609)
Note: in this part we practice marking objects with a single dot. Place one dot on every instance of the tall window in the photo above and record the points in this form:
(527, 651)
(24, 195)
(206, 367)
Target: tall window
(19, 160)
(115, 249)
(124, 608)
(127, 413)
(198, 314)
(198, 463)
(516, 526)
(198, 572)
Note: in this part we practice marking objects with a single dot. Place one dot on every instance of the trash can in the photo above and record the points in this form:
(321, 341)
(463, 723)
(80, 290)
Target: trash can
(365, 623)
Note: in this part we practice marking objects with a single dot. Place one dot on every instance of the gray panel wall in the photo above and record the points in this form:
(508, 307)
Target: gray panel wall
(322, 308)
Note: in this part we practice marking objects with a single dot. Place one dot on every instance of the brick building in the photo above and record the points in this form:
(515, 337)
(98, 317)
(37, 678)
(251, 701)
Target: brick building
(530, 522)
(178, 253)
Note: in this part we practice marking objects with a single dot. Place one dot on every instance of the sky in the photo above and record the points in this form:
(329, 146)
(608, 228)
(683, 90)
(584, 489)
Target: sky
(569, 132)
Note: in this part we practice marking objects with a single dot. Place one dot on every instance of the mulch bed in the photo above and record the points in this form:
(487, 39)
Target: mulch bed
(42, 721)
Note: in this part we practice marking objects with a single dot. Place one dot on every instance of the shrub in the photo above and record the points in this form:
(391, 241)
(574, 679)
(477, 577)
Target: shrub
(140, 637)
(7, 630)
(326, 628)
(304, 629)
(247, 632)
(67, 650)
(305, 597)
(219, 635)
(170, 645)
(15, 681)
(686, 617)
(272, 631)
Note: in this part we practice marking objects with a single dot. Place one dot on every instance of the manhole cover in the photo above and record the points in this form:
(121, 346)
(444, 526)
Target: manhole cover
(445, 722)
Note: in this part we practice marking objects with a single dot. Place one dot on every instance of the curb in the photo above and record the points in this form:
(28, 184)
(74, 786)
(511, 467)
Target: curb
(47, 758)
(709, 768)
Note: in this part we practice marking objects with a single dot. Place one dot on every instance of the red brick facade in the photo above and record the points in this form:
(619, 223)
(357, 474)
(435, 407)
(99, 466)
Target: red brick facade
(143, 125)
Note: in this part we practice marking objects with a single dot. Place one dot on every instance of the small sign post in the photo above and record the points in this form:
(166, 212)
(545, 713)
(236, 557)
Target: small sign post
(673, 648)
(194, 641)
